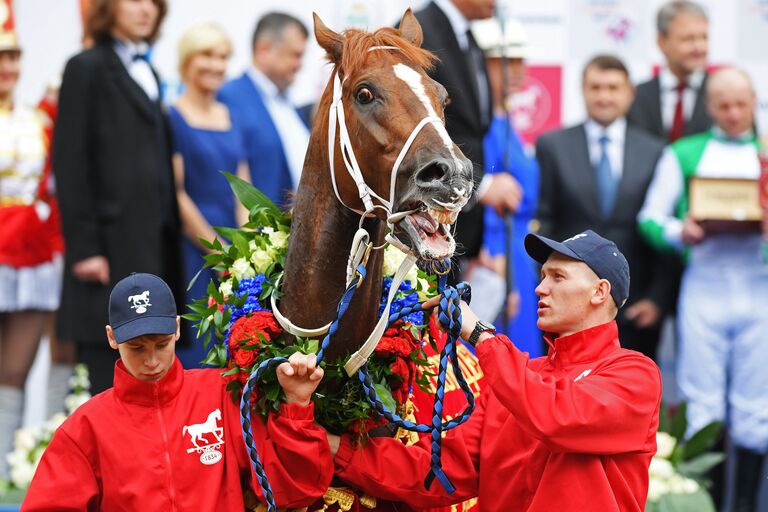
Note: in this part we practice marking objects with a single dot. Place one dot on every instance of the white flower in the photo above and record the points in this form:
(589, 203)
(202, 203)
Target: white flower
(252, 245)
(24, 440)
(57, 419)
(393, 257)
(21, 470)
(690, 486)
(661, 468)
(225, 288)
(656, 489)
(241, 269)
(261, 260)
(72, 402)
(665, 444)
(278, 239)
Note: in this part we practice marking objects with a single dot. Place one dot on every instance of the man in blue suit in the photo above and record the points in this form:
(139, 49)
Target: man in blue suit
(274, 132)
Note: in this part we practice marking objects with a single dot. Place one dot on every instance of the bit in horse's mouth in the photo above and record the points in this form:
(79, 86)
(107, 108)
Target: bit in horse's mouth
(427, 232)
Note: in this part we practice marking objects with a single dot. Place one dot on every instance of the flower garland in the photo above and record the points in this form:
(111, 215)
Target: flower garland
(240, 331)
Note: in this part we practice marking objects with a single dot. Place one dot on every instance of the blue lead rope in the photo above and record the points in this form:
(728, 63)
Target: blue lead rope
(449, 314)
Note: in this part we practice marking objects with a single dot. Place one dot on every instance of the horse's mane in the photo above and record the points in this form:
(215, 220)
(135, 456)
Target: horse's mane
(357, 44)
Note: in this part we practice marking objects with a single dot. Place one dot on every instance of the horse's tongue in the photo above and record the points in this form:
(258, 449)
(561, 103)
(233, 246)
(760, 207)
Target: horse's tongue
(439, 242)
(425, 222)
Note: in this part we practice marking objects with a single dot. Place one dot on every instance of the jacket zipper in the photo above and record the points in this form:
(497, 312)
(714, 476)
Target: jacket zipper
(171, 489)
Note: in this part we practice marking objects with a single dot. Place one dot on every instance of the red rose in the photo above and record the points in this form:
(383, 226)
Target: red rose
(400, 370)
(244, 358)
(249, 330)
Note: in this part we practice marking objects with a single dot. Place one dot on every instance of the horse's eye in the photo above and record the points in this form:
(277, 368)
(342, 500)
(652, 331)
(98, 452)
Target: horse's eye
(446, 101)
(364, 96)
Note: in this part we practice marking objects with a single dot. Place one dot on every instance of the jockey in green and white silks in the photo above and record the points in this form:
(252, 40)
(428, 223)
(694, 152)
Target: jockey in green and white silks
(722, 316)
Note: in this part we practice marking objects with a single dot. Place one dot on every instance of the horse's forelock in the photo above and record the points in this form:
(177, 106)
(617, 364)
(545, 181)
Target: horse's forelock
(357, 44)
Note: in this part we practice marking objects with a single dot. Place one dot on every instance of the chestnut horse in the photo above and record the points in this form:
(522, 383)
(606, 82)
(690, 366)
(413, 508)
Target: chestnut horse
(393, 114)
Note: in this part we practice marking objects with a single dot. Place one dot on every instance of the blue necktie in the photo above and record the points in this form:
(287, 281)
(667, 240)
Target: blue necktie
(606, 183)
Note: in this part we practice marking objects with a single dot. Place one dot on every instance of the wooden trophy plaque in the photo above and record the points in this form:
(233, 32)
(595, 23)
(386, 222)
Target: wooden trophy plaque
(726, 205)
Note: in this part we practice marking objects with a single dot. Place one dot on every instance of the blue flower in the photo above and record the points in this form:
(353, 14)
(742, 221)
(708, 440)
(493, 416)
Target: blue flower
(406, 296)
(250, 287)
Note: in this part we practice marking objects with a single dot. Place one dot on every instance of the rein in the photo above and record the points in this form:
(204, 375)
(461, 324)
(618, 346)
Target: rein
(449, 310)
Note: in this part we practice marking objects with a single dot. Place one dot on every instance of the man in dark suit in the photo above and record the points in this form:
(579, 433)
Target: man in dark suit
(595, 176)
(275, 133)
(112, 164)
(672, 104)
(461, 70)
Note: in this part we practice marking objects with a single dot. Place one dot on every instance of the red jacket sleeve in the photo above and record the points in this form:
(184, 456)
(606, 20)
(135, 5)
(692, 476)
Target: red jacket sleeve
(370, 467)
(64, 480)
(295, 454)
(609, 412)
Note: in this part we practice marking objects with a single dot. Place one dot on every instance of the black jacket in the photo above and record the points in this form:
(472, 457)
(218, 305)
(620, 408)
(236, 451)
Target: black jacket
(645, 112)
(112, 162)
(463, 119)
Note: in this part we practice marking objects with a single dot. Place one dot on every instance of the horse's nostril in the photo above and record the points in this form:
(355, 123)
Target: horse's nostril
(433, 172)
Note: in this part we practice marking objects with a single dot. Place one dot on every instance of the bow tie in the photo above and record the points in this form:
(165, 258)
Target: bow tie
(141, 56)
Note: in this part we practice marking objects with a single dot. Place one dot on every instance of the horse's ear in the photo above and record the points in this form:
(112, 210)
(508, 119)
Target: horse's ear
(410, 30)
(332, 42)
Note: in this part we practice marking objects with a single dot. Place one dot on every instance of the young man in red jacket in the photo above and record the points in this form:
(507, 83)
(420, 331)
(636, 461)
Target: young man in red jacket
(165, 438)
(574, 430)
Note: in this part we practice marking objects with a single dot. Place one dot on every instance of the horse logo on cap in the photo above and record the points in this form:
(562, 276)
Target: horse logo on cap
(140, 302)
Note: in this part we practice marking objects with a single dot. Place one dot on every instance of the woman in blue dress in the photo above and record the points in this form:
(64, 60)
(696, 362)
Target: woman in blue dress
(504, 152)
(205, 142)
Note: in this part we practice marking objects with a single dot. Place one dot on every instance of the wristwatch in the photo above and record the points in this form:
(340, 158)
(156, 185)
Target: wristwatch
(480, 327)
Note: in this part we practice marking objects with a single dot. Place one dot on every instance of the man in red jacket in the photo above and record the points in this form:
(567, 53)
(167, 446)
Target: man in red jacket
(574, 430)
(165, 438)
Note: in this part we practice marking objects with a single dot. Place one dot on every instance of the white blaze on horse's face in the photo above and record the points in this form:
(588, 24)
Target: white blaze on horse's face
(413, 79)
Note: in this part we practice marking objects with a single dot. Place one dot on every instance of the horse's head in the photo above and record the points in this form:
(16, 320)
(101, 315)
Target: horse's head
(395, 128)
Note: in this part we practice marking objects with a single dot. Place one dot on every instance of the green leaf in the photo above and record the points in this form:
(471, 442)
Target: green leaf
(697, 467)
(702, 440)
(385, 396)
(679, 424)
(663, 418)
(194, 279)
(226, 232)
(251, 197)
(211, 358)
(232, 371)
(241, 243)
(698, 502)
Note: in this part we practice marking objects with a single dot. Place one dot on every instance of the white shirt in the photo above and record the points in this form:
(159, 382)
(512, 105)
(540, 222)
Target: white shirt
(668, 91)
(139, 69)
(293, 132)
(616, 132)
(458, 21)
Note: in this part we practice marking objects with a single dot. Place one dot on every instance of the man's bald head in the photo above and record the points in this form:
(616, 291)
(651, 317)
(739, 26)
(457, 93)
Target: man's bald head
(731, 100)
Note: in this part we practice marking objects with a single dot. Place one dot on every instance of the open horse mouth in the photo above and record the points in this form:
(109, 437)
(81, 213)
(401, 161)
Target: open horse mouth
(427, 231)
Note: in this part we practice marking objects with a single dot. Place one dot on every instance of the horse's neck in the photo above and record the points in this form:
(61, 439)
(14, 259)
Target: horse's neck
(316, 262)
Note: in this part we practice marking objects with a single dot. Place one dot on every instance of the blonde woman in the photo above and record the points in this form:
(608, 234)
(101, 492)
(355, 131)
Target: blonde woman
(205, 141)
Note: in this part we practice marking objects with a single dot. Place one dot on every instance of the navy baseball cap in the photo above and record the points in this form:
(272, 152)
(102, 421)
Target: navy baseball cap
(600, 254)
(141, 304)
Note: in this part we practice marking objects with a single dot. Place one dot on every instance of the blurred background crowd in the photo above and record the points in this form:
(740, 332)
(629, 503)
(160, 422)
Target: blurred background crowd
(116, 116)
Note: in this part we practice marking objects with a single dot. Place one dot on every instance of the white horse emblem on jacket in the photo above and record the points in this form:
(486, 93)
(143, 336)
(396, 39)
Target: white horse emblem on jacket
(208, 448)
(140, 302)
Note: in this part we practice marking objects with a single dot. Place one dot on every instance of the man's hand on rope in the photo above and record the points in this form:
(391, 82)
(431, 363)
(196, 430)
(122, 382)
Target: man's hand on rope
(299, 378)
(468, 317)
